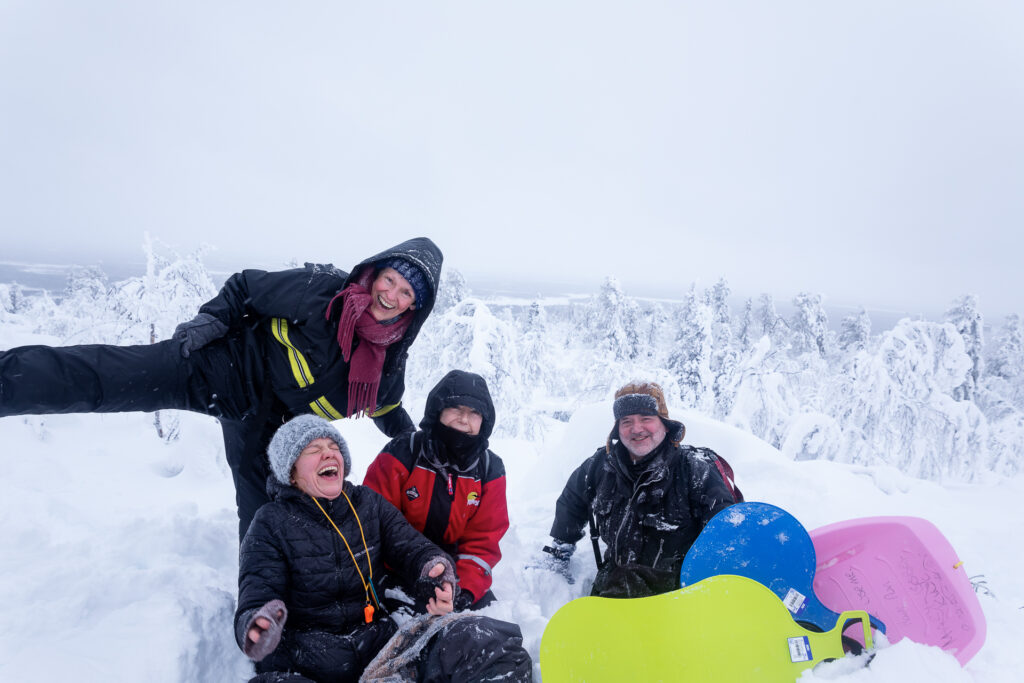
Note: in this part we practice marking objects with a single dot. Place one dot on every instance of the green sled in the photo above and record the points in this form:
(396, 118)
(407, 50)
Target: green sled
(724, 628)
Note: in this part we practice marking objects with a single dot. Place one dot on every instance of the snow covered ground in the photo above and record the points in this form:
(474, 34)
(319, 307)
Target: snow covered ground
(119, 551)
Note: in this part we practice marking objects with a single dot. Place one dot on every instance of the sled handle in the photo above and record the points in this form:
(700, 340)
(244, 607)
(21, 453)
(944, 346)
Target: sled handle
(865, 621)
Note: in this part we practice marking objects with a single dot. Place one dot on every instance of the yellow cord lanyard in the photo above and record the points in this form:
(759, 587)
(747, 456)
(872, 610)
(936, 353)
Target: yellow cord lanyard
(367, 585)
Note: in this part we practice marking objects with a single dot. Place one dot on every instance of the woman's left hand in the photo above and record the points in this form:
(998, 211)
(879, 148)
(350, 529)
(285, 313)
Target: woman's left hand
(443, 601)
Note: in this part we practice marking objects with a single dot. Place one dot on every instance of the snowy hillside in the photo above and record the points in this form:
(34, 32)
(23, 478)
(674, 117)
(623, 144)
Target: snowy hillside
(119, 549)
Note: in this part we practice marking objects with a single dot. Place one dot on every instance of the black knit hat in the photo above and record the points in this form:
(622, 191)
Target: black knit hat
(413, 275)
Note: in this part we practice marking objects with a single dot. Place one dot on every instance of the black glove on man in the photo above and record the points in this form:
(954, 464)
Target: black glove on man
(198, 332)
(558, 562)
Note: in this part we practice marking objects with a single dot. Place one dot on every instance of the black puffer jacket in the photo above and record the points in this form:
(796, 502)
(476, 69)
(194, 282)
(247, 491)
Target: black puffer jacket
(292, 553)
(280, 335)
(648, 514)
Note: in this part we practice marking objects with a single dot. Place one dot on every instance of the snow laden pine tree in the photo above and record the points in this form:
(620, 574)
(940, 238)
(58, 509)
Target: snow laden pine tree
(724, 357)
(965, 316)
(900, 408)
(469, 336)
(606, 333)
(855, 332)
(690, 358)
(615, 322)
(771, 323)
(808, 328)
(151, 306)
(84, 315)
(746, 335)
(1007, 360)
(450, 291)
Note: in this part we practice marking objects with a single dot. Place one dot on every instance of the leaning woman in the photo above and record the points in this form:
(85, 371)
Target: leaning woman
(308, 608)
(268, 347)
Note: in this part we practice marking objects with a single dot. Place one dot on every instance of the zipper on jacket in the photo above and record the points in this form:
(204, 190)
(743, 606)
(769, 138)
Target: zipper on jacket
(630, 506)
(661, 547)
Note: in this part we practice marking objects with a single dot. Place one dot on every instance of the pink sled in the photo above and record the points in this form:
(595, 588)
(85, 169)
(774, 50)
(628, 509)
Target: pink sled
(903, 571)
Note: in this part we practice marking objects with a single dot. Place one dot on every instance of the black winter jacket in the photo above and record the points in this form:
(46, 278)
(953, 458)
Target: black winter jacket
(280, 337)
(647, 514)
(292, 553)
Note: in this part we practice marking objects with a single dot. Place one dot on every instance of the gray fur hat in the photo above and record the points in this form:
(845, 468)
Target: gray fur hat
(293, 436)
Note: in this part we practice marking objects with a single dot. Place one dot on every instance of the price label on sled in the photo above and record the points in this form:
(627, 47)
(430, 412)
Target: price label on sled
(765, 543)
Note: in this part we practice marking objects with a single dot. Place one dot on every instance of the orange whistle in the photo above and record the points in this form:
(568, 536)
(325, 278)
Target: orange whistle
(368, 613)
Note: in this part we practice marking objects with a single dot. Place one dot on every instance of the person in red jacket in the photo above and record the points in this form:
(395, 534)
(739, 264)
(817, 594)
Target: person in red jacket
(448, 484)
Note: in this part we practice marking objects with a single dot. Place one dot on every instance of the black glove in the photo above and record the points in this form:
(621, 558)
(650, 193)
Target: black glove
(198, 332)
(558, 562)
(464, 601)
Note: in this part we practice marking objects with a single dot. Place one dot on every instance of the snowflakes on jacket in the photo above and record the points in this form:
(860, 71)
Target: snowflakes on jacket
(648, 514)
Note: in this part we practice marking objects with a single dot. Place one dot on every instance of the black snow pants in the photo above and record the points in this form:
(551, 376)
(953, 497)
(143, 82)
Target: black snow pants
(101, 378)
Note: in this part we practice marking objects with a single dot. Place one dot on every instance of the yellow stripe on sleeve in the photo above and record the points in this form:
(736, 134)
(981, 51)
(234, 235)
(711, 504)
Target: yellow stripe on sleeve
(300, 369)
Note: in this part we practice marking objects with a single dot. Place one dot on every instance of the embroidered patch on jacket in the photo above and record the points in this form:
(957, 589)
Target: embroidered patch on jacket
(412, 493)
(473, 498)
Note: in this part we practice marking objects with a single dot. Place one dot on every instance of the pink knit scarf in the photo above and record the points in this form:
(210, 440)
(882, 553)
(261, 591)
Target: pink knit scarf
(367, 361)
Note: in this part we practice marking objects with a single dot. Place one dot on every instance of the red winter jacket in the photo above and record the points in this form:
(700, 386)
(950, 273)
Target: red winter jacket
(462, 510)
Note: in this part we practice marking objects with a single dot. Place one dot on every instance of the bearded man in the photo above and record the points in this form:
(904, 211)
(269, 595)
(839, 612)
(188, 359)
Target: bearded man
(648, 496)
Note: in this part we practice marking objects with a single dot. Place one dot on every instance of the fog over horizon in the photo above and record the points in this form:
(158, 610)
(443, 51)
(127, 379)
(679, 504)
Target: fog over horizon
(870, 152)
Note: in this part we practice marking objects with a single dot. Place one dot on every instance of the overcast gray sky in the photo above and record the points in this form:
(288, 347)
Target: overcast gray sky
(870, 151)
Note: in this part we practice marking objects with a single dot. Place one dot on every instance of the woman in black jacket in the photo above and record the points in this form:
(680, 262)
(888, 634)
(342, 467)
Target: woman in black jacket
(269, 346)
(307, 603)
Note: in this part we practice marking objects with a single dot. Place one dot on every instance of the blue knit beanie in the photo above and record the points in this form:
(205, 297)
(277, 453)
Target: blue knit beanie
(293, 436)
(413, 274)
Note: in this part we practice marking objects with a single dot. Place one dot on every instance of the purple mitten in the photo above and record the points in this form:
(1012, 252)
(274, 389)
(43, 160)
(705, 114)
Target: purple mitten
(276, 613)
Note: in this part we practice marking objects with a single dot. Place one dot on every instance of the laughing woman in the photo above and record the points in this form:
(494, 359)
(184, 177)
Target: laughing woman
(307, 603)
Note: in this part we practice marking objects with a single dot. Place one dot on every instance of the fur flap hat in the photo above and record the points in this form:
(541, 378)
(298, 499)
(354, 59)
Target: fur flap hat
(293, 436)
(644, 398)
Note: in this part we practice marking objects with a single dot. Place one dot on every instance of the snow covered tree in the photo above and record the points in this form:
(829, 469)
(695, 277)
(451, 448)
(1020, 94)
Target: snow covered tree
(18, 301)
(809, 325)
(763, 401)
(770, 322)
(690, 359)
(746, 336)
(660, 333)
(85, 315)
(150, 306)
(533, 349)
(724, 358)
(899, 408)
(450, 290)
(171, 291)
(965, 316)
(1007, 360)
(615, 322)
(471, 337)
(856, 330)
